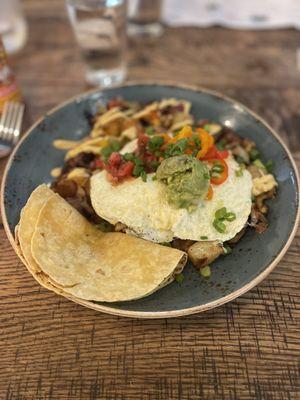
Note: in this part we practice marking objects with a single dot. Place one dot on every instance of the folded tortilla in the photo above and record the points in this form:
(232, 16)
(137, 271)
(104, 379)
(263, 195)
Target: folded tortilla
(66, 251)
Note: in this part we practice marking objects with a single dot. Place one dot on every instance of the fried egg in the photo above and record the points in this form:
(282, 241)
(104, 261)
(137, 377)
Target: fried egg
(144, 209)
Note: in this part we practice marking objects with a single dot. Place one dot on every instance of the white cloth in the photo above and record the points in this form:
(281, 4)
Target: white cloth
(241, 14)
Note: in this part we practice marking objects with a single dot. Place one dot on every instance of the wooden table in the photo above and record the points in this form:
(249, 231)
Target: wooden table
(248, 349)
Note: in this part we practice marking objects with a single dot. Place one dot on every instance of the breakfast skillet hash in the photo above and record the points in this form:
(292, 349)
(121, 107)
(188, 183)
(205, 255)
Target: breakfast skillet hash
(146, 188)
(151, 171)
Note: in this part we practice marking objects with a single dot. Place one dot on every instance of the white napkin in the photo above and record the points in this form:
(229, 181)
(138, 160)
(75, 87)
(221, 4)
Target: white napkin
(241, 14)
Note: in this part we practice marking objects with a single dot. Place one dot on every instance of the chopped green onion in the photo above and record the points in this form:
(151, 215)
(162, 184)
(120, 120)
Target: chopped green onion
(196, 140)
(219, 226)
(259, 164)
(240, 171)
(254, 154)
(206, 271)
(179, 278)
(206, 127)
(203, 237)
(206, 176)
(167, 244)
(221, 144)
(143, 175)
(240, 159)
(221, 213)
(128, 157)
(149, 131)
(137, 170)
(155, 143)
(269, 165)
(227, 250)
(230, 217)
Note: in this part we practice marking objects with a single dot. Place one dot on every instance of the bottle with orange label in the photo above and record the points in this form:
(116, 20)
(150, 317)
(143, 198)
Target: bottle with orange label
(9, 90)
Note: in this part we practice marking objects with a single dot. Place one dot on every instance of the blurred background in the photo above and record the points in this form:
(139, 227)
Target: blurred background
(248, 50)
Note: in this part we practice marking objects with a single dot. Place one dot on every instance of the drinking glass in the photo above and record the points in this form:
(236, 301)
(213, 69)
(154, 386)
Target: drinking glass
(100, 30)
(145, 18)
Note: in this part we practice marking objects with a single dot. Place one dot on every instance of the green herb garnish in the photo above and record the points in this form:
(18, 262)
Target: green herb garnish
(219, 226)
(128, 157)
(113, 146)
(240, 171)
(179, 278)
(206, 271)
(143, 175)
(221, 144)
(230, 216)
(269, 166)
(155, 143)
(227, 250)
(203, 237)
(150, 131)
(221, 213)
(259, 164)
(254, 154)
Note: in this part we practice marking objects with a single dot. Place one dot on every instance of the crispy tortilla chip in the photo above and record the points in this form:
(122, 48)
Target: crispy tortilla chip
(71, 256)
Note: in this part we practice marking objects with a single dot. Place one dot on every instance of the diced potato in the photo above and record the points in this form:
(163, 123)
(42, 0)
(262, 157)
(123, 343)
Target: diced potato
(204, 253)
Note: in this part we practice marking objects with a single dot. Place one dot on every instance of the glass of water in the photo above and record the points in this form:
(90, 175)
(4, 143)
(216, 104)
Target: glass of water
(145, 18)
(100, 30)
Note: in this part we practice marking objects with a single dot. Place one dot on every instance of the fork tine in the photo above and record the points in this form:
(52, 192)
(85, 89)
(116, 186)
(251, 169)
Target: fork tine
(18, 123)
(7, 122)
(3, 118)
(14, 116)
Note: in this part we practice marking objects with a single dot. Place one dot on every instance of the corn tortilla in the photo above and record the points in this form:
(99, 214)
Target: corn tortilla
(69, 255)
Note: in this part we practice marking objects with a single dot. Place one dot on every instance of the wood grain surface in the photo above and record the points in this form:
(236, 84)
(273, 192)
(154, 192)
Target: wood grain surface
(248, 349)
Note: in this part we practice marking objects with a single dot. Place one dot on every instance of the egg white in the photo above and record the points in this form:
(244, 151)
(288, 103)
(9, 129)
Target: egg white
(144, 209)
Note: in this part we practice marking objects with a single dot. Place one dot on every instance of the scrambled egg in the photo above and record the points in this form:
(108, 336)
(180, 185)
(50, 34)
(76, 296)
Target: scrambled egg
(263, 184)
(144, 209)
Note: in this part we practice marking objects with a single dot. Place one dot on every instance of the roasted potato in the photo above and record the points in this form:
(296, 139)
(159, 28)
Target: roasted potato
(204, 253)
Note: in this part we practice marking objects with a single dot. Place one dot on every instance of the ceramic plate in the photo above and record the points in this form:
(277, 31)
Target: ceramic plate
(253, 258)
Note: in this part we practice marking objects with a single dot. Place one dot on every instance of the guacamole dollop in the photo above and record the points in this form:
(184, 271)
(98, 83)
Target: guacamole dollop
(187, 180)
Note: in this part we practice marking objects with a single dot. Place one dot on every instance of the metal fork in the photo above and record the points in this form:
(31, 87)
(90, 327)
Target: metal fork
(10, 126)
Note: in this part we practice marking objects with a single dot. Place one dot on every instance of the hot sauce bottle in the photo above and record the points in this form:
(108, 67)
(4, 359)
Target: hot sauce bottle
(9, 90)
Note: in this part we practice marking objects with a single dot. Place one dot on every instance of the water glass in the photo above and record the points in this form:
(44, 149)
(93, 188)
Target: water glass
(145, 18)
(100, 30)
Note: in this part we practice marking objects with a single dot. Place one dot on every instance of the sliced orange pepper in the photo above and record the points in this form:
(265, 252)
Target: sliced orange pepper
(189, 151)
(166, 137)
(185, 132)
(210, 193)
(207, 142)
(218, 180)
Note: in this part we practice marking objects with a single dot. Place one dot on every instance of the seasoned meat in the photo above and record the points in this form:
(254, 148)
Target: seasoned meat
(258, 220)
(81, 160)
(65, 187)
(183, 245)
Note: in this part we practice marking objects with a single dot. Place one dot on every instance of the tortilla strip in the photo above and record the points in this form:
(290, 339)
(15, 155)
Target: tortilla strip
(93, 265)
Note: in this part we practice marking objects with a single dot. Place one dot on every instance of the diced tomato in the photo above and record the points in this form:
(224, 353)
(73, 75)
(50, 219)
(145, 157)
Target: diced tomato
(222, 176)
(214, 153)
(142, 141)
(115, 159)
(97, 164)
(125, 170)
